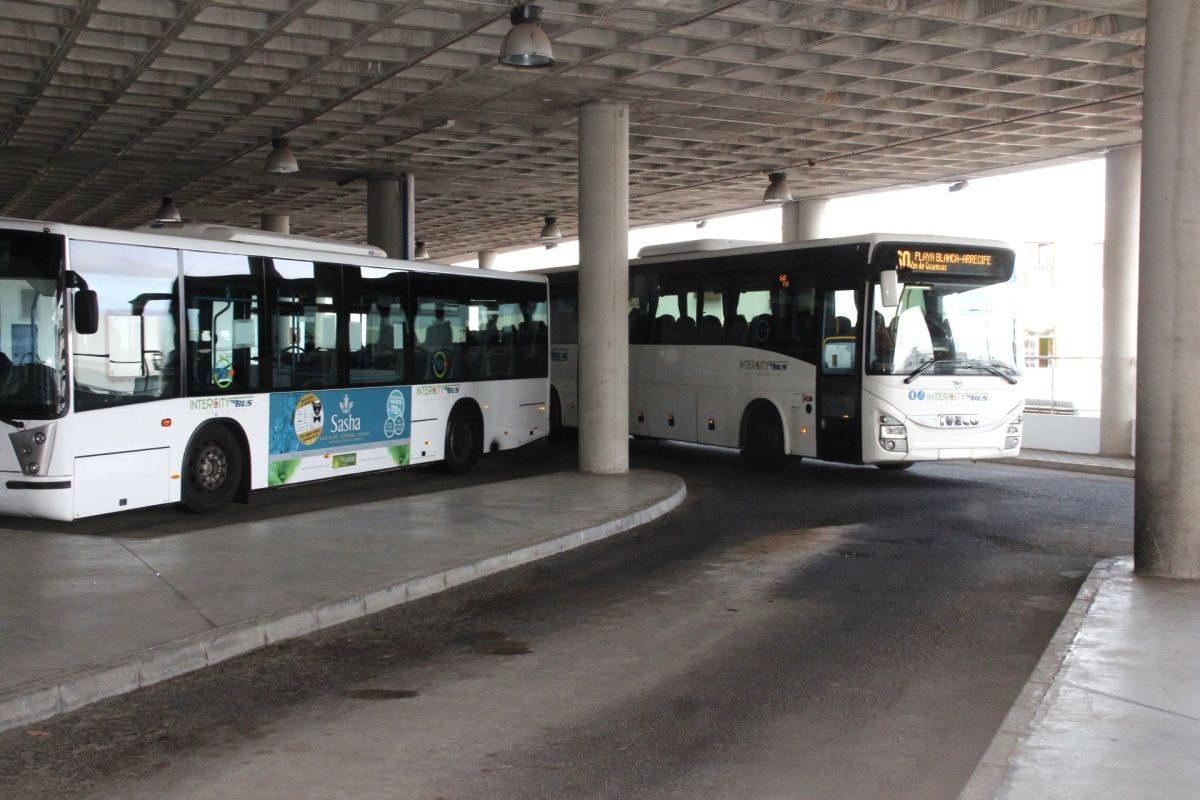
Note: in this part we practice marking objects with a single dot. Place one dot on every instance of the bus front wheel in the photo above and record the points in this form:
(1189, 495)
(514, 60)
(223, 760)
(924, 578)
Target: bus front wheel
(213, 470)
(462, 445)
(763, 446)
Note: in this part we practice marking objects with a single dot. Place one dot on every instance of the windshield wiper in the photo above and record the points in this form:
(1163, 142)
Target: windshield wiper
(960, 363)
(997, 371)
(15, 423)
(926, 365)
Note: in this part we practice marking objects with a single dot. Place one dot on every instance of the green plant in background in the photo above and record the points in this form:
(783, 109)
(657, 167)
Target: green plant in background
(399, 454)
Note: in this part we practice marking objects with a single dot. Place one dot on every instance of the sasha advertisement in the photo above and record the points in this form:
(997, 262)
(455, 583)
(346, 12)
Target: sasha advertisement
(305, 424)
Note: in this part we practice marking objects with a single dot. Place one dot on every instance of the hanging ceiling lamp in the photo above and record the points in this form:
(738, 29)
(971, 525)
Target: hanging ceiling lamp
(777, 190)
(526, 44)
(281, 160)
(551, 230)
(167, 211)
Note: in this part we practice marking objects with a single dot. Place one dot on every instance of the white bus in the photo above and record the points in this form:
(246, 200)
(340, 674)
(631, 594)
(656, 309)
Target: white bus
(877, 349)
(139, 368)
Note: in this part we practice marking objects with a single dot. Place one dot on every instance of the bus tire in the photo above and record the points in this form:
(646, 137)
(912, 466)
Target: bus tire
(895, 466)
(212, 471)
(762, 446)
(462, 442)
(556, 431)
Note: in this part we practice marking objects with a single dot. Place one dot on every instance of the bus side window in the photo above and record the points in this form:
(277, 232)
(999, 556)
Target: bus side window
(132, 358)
(564, 314)
(677, 305)
(376, 302)
(439, 325)
(305, 324)
(222, 323)
(641, 292)
(839, 341)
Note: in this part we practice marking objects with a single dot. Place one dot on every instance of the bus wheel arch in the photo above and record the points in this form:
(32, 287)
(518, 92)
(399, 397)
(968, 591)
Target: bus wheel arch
(464, 437)
(215, 468)
(763, 436)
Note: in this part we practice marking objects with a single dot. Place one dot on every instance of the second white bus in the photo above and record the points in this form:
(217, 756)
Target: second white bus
(878, 349)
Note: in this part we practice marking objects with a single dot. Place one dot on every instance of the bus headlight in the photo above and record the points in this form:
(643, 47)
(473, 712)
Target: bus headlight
(893, 435)
(1012, 434)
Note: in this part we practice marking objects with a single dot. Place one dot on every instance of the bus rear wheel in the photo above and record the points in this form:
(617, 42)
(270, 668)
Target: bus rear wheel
(763, 446)
(212, 471)
(462, 445)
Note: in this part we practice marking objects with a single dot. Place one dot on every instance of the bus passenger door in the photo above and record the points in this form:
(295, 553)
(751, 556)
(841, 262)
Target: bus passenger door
(839, 381)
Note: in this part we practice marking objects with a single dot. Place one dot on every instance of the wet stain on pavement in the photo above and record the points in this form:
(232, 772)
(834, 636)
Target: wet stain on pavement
(379, 694)
(479, 638)
(508, 647)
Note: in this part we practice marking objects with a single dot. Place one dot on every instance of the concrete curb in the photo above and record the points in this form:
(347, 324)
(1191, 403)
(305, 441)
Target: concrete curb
(993, 766)
(1069, 466)
(41, 700)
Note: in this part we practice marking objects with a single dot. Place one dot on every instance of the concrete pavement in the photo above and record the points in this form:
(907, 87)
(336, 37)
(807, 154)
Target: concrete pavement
(83, 618)
(1113, 708)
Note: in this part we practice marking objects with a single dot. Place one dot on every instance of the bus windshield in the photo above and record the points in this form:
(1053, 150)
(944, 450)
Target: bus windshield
(945, 328)
(32, 378)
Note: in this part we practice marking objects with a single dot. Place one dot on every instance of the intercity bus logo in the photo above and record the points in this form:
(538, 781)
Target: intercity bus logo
(764, 366)
(219, 403)
(949, 397)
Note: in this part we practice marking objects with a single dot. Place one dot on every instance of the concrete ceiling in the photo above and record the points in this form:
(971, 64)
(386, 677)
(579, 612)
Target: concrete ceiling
(106, 105)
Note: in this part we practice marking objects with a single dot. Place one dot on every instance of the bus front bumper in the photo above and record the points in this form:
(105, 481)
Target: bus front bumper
(44, 498)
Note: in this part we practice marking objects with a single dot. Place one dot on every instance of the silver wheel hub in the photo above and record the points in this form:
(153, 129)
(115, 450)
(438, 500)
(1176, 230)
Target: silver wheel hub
(212, 468)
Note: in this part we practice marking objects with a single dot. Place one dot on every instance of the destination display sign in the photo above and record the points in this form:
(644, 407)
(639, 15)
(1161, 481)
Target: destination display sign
(945, 259)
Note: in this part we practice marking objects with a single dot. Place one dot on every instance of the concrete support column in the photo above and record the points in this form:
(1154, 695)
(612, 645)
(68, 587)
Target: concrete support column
(487, 259)
(802, 219)
(1118, 371)
(604, 288)
(390, 214)
(276, 223)
(1166, 502)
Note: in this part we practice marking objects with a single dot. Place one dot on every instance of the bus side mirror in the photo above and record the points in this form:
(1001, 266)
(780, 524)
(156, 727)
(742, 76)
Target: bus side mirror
(87, 311)
(889, 288)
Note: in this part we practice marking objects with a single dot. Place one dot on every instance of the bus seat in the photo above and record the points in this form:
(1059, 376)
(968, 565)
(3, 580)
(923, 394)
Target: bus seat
(661, 332)
(636, 320)
(760, 330)
(710, 330)
(439, 334)
(737, 331)
(685, 330)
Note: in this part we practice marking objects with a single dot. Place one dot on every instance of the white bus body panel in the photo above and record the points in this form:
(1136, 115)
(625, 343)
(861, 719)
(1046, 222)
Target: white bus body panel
(676, 391)
(947, 416)
(132, 456)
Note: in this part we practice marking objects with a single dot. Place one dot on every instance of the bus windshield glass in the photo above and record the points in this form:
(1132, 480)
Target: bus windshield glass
(945, 328)
(32, 378)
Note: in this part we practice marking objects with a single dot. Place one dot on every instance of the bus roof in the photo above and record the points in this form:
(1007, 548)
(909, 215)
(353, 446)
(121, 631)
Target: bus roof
(686, 251)
(869, 239)
(223, 239)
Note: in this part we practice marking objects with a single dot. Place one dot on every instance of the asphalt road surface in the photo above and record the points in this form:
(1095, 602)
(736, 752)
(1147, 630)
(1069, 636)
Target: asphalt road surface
(827, 632)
